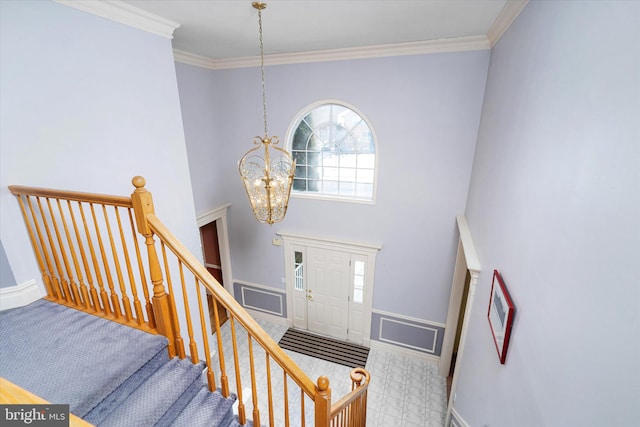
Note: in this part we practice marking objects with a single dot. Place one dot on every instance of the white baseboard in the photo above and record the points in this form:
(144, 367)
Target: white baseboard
(404, 351)
(269, 318)
(19, 295)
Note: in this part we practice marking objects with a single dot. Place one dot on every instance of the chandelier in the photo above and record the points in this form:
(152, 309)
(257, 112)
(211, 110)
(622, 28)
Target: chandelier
(267, 170)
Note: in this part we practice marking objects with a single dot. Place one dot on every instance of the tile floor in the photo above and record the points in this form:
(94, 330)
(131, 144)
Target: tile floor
(404, 391)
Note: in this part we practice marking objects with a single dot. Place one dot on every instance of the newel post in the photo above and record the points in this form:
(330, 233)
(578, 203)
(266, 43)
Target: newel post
(142, 202)
(322, 402)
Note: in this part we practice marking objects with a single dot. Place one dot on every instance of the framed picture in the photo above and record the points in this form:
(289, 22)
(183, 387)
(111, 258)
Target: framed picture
(501, 312)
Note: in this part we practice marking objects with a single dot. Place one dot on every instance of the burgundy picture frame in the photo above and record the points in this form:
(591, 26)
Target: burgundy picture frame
(500, 314)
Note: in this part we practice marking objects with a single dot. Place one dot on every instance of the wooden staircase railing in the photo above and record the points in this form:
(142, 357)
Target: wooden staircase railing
(88, 251)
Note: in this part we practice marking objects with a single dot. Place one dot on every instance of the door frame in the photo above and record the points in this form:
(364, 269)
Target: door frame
(219, 215)
(369, 251)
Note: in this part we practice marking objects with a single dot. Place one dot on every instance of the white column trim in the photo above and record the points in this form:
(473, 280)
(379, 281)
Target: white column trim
(470, 254)
(463, 341)
(466, 260)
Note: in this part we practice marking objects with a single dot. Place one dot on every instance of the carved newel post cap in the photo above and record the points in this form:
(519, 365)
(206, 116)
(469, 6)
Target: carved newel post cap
(138, 182)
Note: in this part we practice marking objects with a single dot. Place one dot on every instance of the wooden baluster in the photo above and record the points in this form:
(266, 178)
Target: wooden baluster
(224, 381)
(303, 415)
(115, 303)
(99, 298)
(242, 417)
(124, 297)
(104, 297)
(143, 280)
(322, 402)
(60, 284)
(72, 283)
(185, 300)
(83, 287)
(254, 389)
(365, 398)
(207, 353)
(68, 281)
(269, 390)
(193, 347)
(177, 337)
(132, 281)
(137, 306)
(142, 202)
(46, 278)
(355, 412)
(285, 393)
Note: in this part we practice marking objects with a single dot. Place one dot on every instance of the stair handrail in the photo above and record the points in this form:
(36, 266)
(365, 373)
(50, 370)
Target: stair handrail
(161, 314)
(351, 409)
(76, 196)
(239, 313)
(150, 225)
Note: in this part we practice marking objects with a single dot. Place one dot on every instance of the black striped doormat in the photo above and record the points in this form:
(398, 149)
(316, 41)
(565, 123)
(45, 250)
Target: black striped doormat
(332, 350)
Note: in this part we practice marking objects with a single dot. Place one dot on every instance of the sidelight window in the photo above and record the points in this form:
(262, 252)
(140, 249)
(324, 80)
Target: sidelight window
(298, 271)
(358, 282)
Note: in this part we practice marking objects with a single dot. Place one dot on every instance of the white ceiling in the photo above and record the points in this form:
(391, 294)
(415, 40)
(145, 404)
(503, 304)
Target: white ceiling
(226, 29)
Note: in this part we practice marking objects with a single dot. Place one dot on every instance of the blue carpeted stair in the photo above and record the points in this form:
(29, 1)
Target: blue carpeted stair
(111, 375)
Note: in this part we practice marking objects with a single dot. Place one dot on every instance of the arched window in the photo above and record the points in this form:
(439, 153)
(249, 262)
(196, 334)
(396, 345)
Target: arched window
(335, 152)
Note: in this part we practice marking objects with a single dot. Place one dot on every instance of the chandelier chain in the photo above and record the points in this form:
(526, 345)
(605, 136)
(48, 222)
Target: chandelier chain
(267, 177)
(264, 90)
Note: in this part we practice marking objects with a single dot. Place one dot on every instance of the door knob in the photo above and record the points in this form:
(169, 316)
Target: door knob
(309, 297)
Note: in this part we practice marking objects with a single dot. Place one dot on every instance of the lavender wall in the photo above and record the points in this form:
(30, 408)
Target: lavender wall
(554, 204)
(203, 118)
(425, 110)
(86, 105)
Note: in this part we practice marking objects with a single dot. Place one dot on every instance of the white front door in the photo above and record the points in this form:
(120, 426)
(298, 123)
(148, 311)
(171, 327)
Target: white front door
(328, 287)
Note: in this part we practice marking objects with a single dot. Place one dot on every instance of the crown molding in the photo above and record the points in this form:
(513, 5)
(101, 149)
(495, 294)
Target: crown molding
(124, 13)
(458, 44)
(505, 18)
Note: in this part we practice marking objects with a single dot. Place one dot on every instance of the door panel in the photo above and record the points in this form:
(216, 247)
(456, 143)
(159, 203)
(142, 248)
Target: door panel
(211, 254)
(328, 292)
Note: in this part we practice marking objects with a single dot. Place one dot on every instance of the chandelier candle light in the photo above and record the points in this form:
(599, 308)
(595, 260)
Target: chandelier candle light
(267, 179)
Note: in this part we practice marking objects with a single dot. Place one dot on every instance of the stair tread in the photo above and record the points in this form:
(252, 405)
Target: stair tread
(124, 390)
(207, 409)
(84, 357)
(149, 402)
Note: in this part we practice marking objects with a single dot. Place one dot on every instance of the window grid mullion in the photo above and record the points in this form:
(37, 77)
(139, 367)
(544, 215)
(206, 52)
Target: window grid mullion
(331, 157)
